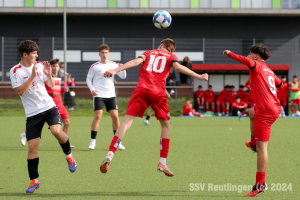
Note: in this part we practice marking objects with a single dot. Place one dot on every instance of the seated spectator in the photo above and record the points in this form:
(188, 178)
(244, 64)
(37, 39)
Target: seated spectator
(200, 94)
(241, 93)
(171, 80)
(231, 98)
(238, 106)
(222, 98)
(69, 97)
(247, 99)
(188, 109)
(210, 99)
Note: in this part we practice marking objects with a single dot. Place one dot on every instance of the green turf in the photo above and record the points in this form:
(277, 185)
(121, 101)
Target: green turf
(202, 150)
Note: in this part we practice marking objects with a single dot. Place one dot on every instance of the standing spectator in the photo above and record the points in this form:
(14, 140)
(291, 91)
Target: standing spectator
(283, 94)
(61, 72)
(185, 78)
(241, 93)
(210, 99)
(69, 97)
(238, 106)
(295, 88)
(200, 94)
(171, 80)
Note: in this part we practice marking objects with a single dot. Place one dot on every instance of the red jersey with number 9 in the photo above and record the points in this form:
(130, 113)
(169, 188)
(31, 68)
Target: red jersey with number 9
(155, 69)
(263, 84)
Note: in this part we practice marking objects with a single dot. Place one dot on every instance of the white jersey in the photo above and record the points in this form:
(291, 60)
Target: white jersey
(104, 86)
(36, 99)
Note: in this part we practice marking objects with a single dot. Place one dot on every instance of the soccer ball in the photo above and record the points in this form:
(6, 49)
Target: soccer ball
(162, 19)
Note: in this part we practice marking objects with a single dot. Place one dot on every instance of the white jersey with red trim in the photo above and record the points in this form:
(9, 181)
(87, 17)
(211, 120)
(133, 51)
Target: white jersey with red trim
(36, 99)
(96, 80)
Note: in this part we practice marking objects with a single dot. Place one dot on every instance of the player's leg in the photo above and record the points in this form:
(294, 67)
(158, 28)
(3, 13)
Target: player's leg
(34, 126)
(124, 126)
(115, 124)
(252, 143)
(53, 119)
(227, 108)
(212, 107)
(293, 107)
(206, 106)
(98, 111)
(202, 102)
(149, 114)
(136, 107)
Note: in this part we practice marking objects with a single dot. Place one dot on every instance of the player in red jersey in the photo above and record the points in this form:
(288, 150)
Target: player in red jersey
(188, 110)
(231, 98)
(221, 99)
(238, 106)
(250, 96)
(200, 94)
(267, 108)
(283, 94)
(55, 93)
(150, 90)
(210, 99)
(241, 93)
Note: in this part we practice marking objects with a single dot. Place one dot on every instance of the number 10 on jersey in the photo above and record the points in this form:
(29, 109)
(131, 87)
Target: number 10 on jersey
(153, 64)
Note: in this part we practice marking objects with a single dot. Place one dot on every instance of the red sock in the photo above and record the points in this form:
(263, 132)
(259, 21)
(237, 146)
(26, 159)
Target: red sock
(202, 105)
(227, 111)
(191, 110)
(207, 109)
(293, 111)
(253, 142)
(223, 108)
(244, 112)
(164, 147)
(260, 177)
(213, 110)
(218, 108)
(198, 104)
(198, 115)
(114, 144)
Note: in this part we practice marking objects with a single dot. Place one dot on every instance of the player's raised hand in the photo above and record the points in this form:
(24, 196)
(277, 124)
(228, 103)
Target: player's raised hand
(34, 68)
(94, 92)
(109, 73)
(47, 68)
(203, 77)
(226, 52)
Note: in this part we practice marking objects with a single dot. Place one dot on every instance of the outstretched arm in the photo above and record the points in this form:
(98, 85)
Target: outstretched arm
(244, 60)
(182, 69)
(129, 64)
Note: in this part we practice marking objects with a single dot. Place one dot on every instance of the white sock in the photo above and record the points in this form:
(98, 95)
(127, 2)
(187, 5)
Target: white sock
(93, 140)
(36, 180)
(110, 152)
(68, 155)
(163, 161)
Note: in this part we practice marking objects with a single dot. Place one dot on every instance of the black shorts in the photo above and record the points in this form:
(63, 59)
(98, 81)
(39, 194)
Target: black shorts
(34, 124)
(110, 103)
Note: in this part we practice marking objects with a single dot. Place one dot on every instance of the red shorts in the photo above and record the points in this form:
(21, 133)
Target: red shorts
(63, 112)
(283, 101)
(142, 98)
(263, 124)
(221, 102)
(186, 112)
(295, 101)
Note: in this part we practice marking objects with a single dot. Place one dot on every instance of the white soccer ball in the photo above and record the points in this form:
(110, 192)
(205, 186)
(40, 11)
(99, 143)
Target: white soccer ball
(162, 19)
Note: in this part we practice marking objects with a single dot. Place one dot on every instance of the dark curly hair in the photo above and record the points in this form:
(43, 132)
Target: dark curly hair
(27, 46)
(261, 50)
(54, 61)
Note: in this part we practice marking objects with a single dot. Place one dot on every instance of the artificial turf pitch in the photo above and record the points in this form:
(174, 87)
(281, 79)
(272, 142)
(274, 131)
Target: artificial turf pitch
(202, 150)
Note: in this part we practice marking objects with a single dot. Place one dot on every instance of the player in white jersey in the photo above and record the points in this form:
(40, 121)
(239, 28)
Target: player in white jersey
(103, 92)
(28, 79)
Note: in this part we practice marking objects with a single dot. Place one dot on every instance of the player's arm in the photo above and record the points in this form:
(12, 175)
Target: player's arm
(247, 84)
(244, 60)
(278, 82)
(167, 93)
(293, 89)
(89, 83)
(49, 90)
(121, 74)
(182, 69)
(128, 65)
(25, 86)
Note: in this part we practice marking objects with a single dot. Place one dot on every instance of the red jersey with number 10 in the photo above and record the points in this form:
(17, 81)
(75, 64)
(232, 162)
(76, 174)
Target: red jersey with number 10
(155, 69)
(263, 84)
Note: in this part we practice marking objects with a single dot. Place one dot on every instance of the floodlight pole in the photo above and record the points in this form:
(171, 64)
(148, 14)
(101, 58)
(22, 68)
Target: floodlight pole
(65, 39)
